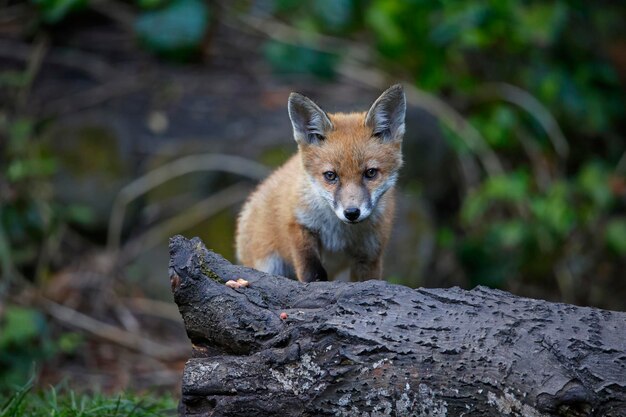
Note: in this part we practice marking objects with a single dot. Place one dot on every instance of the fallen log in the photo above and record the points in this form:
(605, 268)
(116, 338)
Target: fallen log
(282, 348)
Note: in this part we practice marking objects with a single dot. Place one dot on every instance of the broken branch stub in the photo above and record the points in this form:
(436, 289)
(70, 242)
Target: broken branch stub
(377, 349)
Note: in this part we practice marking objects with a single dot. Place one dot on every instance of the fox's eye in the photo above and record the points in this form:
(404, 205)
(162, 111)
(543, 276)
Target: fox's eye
(316, 137)
(381, 134)
(370, 173)
(330, 176)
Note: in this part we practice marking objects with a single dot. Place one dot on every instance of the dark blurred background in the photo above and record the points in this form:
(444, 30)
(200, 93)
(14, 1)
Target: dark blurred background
(115, 117)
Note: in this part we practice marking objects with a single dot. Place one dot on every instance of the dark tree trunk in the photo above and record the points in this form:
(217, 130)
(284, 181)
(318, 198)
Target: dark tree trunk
(376, 349)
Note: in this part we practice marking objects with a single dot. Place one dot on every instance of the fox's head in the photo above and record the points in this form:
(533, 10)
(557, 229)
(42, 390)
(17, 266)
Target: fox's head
(351, 159)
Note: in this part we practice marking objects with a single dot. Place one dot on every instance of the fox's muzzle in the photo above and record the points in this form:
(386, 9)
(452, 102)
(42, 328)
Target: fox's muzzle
(352, 203)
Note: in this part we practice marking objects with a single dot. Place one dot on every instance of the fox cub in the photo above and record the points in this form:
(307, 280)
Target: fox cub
(335, 197)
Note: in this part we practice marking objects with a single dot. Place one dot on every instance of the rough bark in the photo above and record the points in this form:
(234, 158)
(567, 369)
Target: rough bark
(377, 349)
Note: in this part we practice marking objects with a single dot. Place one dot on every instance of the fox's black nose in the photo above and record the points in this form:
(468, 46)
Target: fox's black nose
(352, 213)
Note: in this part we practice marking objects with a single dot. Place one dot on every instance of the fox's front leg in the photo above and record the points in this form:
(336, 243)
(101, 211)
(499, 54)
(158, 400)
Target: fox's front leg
(306, 256)
(362, 269)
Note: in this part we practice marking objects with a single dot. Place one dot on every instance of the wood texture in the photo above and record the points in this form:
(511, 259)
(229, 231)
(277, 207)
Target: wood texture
(377, 349)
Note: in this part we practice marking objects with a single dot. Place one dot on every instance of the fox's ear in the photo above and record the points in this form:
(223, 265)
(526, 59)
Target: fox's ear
(310, 123)
(386, 116)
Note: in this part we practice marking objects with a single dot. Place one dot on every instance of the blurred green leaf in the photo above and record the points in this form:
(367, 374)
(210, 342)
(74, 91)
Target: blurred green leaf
(458, 23)
(286, 6)
(14, 79)
(79, 214)
(510, 234)
(474, 206)
(445, 237)
(381, 19)
(20, 325)
(496, 124)
(616, 235)
(336, 15)
(593, 180)
(175, 31)
(511, 187)
(24, 168)
(20, 131)
(294, 59)
(474, 38)
(554, 211)
(542, 22)
(70, 342)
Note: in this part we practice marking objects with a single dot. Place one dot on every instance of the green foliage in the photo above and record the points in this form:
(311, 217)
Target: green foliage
(26, 213)
(337, 17)
(176, 30)
(64, 403)
(25, 341)
(517, 221)
(455, 46)
(20, 326)
(30, 215)
(173, 29)
(497, 124)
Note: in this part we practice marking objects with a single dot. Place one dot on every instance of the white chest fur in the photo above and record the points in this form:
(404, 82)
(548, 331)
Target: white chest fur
(337, 236)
